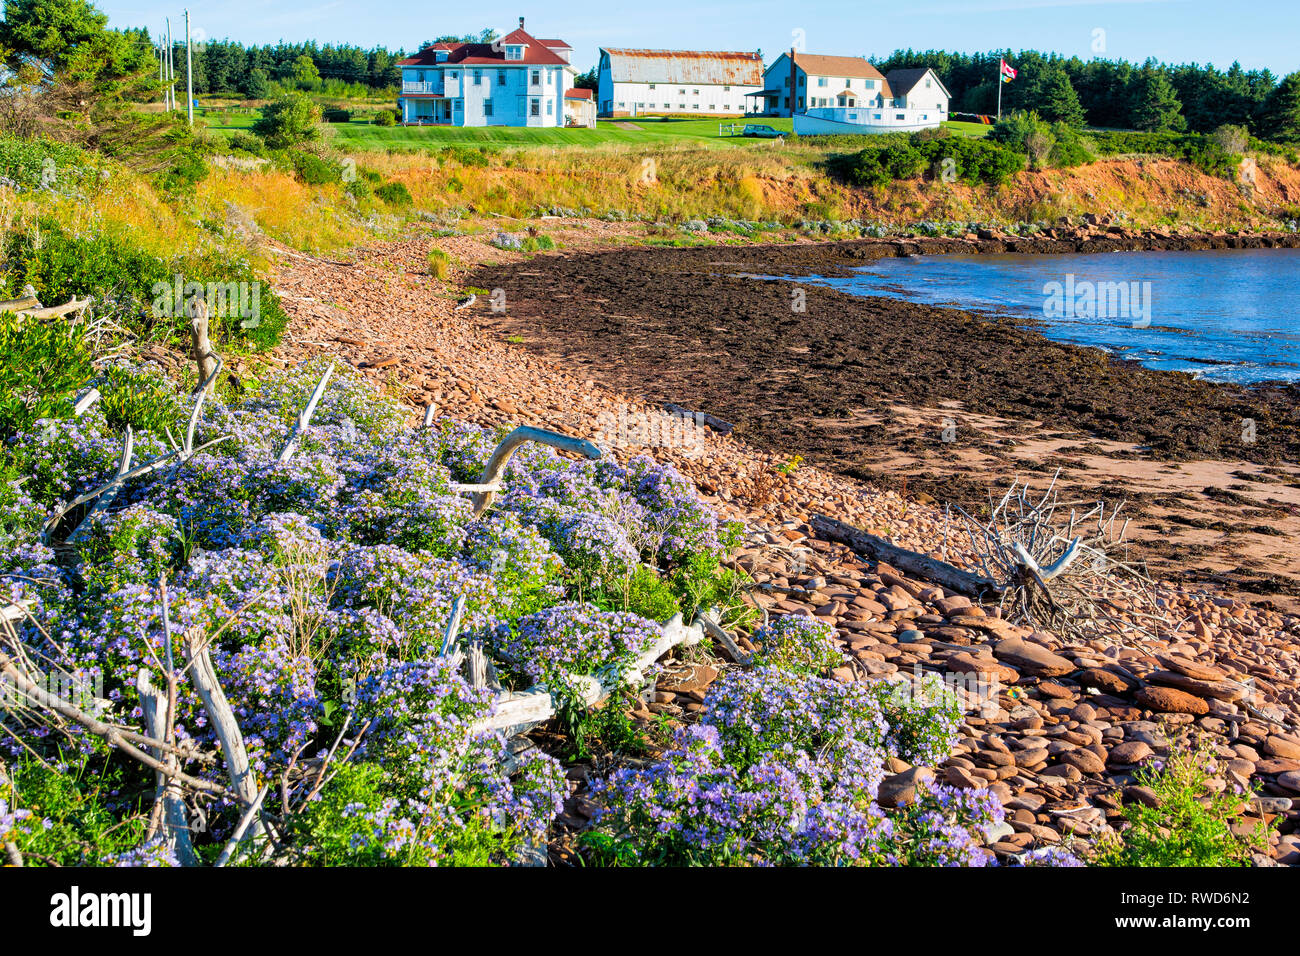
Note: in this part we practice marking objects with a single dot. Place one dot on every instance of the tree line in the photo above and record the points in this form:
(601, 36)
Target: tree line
(1116, 94)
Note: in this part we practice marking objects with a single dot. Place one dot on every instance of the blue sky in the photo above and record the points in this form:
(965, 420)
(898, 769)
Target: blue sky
(1259, 33)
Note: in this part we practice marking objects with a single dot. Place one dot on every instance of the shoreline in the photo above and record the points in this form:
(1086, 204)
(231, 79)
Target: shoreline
(1072, 721)
(876, 393)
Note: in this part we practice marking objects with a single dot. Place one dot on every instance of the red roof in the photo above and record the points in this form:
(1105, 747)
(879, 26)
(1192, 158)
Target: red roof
(536, 52)
(577, 94)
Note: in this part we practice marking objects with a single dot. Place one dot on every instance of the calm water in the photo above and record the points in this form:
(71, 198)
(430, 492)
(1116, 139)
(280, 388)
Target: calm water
(1231, 315)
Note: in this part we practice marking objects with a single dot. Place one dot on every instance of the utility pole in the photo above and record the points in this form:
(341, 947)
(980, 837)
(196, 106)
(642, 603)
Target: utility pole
(171, 70)
(189, 73)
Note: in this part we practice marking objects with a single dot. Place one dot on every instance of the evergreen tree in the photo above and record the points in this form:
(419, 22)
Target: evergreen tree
(1052, 95)
(1155, 104)
(1280, 114)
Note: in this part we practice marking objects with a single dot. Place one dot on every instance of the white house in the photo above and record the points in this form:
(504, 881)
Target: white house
(516, 80)
(797, 83)
(637, 82)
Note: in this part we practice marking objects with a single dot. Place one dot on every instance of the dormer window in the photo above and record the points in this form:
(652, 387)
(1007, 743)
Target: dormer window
(514, 52)
(440, 56)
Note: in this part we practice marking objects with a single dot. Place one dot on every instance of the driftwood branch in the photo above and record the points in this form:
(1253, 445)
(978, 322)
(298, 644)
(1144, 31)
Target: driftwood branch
(114, 736)
(911, 562)
(509, 445)
(532, 706)
(222, 720)
(201, 346)
(304, 417)
(174, 822)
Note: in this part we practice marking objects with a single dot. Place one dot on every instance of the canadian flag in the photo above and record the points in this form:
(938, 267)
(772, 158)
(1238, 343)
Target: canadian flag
(1009, 72)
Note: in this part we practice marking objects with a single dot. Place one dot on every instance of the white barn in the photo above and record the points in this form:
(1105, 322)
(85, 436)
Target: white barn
(640, 82)
(516, 80)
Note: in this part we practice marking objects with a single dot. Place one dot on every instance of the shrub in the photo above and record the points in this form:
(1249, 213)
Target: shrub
(439, 264)
(136, 288)
(336, 115)
(45, 362)
(243, 142)
(313, 170)
(394, 193)
(799, 643)
(385, 118)
(1191, 826)
(289, 121)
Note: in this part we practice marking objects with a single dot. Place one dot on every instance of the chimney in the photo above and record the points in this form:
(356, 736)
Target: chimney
(521, 23)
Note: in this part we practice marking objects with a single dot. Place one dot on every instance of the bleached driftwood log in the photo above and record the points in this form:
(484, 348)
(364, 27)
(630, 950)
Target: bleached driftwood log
(200, 345)
(486, 489)
(304, 417)
(174, 823)
(518, 710)
(222, 720)
(912, 562)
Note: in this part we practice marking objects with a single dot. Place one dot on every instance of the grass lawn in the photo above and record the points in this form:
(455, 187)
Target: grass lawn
(962, 128)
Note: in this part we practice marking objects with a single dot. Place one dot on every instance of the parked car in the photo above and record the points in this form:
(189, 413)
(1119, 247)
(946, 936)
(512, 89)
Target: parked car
(758, 129)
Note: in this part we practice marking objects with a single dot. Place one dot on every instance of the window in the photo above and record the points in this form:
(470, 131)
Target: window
(681, 92)
(458, 105)
(801, 79)
(899, 116)
(695, 92)
(848, 84)
(535, 107)
(454, 74)
(726, 89)
(696, 106)
(877, 116)
(821, 81)
(927, 83)
(487, 107)
(419, 76)
(514, 53)
(652, 86)
(550, 107)
(787, 82)
(501, 77)
(537, 77)
(478, 77)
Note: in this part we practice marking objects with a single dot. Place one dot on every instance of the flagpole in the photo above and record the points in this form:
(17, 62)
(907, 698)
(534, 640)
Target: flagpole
(1000, 61)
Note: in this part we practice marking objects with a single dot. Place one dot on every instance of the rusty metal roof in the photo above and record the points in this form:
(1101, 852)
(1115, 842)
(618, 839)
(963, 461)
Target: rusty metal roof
(684, 66)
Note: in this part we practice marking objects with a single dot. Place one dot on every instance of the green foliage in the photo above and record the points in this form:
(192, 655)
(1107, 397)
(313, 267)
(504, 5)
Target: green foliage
(337, 115)
(1201, 150)
(92, 810)
(394, 193)
(1192, 824)
(1156, 107)
(140, 398)
(50, 29)
(385, 118)
(45, 362)
(969, 160)
(242, 142)
(291, 120)
(47, 164)
(1053, 96)
(338, 831)
(439, 264)
(537, 243)
(1280, 113)
(256, 84)
(641, 592)
(128, 281)
(313, 170)
(1070, 149)
(896, 160)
